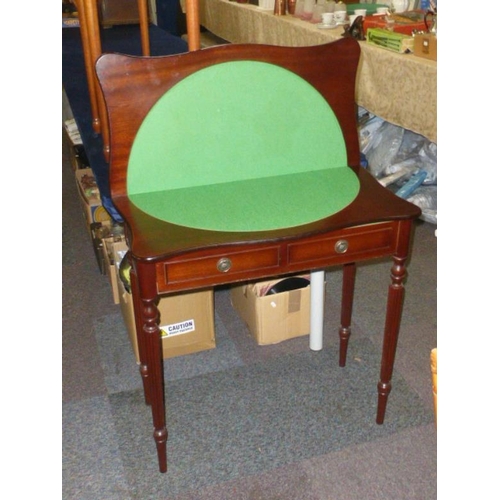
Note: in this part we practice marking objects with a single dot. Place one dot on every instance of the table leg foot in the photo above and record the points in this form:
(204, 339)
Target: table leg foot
(383, 395)
(160, 436)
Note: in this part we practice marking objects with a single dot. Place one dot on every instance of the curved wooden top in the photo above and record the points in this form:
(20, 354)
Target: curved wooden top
(133, 85)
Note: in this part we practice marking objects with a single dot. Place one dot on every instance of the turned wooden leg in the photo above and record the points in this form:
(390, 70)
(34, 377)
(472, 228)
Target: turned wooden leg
(95, 51)
(144, 26)
(89, 68)
(393, 319)
(155, 378)
(153, 356)
(139, 327)
(349, 278)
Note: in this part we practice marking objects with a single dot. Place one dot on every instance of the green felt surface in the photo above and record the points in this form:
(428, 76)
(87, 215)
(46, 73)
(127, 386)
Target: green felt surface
(255, 205)
(240, 146)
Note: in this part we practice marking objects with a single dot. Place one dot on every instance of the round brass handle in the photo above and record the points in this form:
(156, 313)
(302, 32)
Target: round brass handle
(224, 264)
(341, 246)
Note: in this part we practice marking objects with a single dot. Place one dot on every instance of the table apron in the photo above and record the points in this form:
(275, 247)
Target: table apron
(223, 265)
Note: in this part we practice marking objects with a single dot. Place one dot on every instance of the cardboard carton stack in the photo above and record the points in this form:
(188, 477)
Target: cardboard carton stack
(90, 198)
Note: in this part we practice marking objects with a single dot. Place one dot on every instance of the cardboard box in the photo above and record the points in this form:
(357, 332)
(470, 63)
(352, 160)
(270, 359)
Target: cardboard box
(273, 318)
(96, 232)
(426, 46)
(76, 152)
(90, 198)
(186, 319)
(110, 268)
(73, 131)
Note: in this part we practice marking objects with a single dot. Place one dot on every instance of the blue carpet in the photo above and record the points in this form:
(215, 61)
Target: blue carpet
(223, 424)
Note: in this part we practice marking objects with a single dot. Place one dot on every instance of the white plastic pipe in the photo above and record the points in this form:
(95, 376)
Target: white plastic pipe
(317, 310)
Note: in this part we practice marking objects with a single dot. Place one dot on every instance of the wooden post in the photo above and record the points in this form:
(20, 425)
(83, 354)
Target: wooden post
(193, 24)
(142, 6)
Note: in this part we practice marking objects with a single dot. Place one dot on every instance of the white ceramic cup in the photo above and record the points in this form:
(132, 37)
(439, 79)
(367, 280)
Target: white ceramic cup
(360, 12)
(327, 18)
(339, 16)
(352, 18)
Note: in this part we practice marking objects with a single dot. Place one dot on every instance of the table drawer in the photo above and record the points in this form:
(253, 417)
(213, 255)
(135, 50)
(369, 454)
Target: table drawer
(370, 240)
(220, 264)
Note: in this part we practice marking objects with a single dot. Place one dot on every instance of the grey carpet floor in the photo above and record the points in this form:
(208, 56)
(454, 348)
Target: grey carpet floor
(247, 421)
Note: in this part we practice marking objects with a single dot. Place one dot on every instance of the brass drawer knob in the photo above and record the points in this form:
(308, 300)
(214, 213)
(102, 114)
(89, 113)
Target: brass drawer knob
(224, 264)
(341, 246)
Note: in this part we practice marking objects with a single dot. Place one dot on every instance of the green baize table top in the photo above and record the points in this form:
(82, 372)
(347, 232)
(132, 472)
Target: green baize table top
(241, 146)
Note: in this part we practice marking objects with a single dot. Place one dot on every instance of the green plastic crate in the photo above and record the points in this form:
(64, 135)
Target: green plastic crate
(397, 42)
